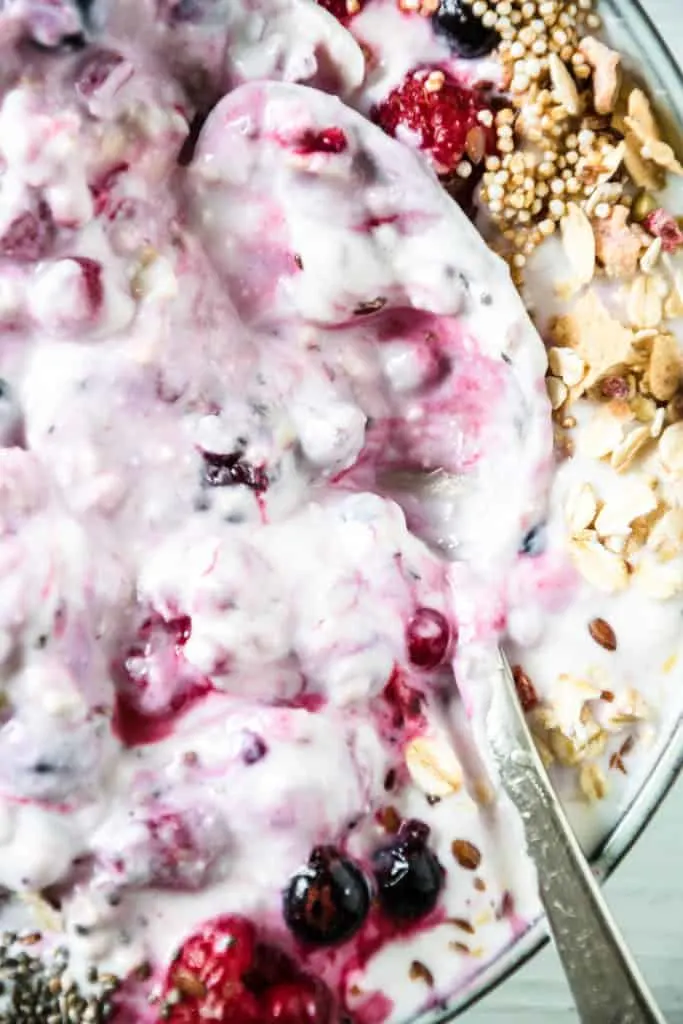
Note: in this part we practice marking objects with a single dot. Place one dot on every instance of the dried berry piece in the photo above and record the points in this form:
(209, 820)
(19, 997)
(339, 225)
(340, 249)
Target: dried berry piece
(463, 30)
(408, 874)
(603, 634)
(662, 225)
(327, 901)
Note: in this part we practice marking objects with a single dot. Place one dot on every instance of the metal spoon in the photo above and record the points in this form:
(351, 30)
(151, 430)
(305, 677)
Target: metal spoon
(605, 981)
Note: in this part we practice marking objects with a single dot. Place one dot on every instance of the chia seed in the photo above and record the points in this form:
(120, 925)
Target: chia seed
(33, 989)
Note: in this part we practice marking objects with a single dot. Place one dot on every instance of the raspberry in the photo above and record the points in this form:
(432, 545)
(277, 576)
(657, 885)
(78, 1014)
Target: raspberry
(343, 10)
(30, 235)
(428, 638)
(444, 120)
(662, 225)
(95, 70)
(208, 974)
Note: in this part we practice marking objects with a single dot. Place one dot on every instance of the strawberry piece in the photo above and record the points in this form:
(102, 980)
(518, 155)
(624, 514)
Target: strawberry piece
(441, 114)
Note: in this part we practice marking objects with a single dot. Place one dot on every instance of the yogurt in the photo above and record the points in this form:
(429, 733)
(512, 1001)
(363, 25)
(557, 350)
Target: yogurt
(277, 452)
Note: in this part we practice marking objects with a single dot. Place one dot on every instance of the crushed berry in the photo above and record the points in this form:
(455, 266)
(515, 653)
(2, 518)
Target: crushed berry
(327, 901)
(304, 1001)
(343, 10)
(408, 874)
(428, 638)
(231, 469)
(206, 978)
(254, 748)
(101, 188)
(614, 387)
(441, 119)
(95, 70)
(662, 225)
(463, 30)
(92, 278)
(30, 236)
(327, 140)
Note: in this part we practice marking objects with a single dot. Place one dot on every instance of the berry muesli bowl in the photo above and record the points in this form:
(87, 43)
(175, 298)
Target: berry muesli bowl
(338, 345)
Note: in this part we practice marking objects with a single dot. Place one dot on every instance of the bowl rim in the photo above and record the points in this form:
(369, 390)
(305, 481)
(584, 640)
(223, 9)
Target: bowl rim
(665, 80)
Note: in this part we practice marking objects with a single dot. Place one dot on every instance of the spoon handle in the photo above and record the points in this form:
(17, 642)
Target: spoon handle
(605, 981)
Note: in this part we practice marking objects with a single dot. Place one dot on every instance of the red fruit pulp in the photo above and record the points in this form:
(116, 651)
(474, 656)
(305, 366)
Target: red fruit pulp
(442, 119)
(428, 637)
(303, 1001)
(343, 10)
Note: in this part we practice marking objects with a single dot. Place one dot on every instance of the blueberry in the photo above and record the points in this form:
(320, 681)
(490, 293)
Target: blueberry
(231, 469)
(327, 901)
(408, 874)
(11, 419)
(463, 30)
(534, 541)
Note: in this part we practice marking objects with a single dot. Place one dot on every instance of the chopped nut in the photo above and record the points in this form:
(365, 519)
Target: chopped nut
(642, 123)
(632, 499)
(433, 766)
(645, 306)
(571, 751)
(604, 569)
(666, 536)
(600, 340)
(592, 782)
(665, 369)
(557, 392)
(603, 634)
(563, 85)
(670, 450)
(581, 508)
(606, 73)
(630, 448)
(466, 854)
(618, 243)
(605, 431)
(567, 365)
(420, 972)
(659, 580)
(650, 258)
(578, 241)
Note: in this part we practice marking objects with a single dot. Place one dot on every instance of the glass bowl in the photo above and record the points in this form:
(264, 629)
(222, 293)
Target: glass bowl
(631, 31)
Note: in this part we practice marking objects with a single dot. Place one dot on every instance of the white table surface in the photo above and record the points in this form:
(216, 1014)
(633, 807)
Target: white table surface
(646, 894)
